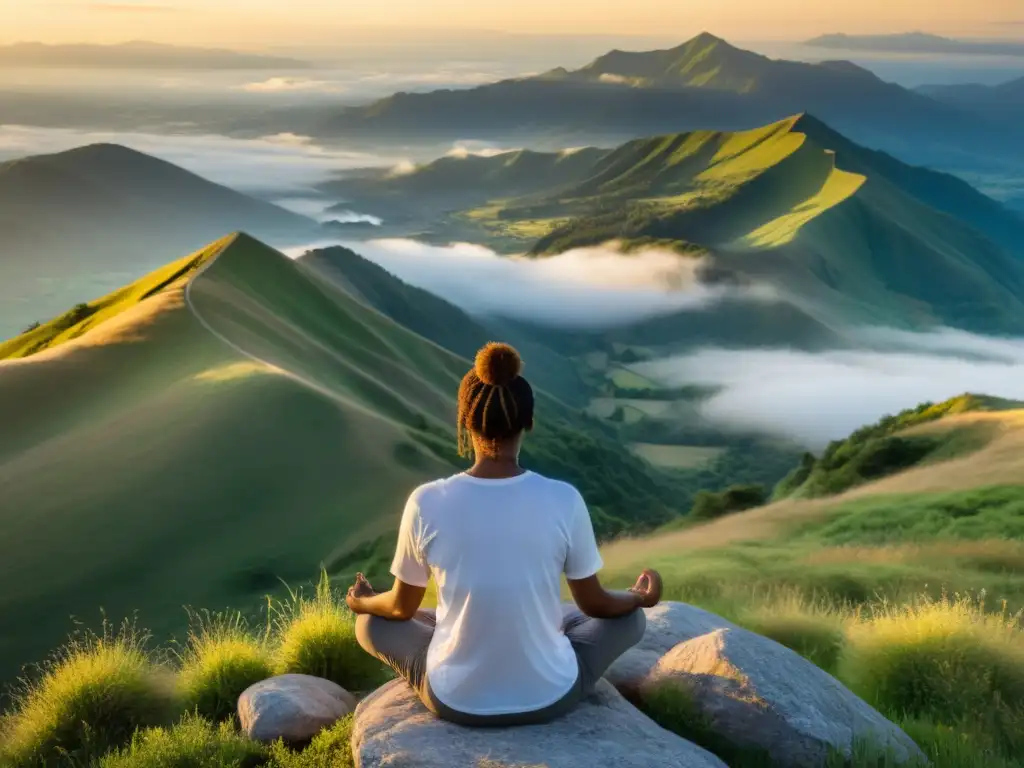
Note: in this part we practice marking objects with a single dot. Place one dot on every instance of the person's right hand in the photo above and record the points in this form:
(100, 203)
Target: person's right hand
(648, 588)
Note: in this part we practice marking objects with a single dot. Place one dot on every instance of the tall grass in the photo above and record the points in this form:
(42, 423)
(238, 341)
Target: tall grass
(192, 743)
(331, 748)
(88, 699)
(948, 669)
(948, 660)
(316, 636)
(221, 658)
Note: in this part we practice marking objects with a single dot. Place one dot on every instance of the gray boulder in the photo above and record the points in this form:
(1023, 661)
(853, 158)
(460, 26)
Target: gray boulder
(757, 696)
(668, 624)
(292, 707)
(392, 728)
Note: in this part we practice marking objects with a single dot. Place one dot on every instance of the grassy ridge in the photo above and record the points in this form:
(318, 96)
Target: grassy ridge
(878, 450)
(77, 321)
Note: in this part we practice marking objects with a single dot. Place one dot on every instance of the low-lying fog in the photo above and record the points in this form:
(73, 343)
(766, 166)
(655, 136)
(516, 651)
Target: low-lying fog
(818, 397)
(278, 167)
(583, 288)
(813, 397)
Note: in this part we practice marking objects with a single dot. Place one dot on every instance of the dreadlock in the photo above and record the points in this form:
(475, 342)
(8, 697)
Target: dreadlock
(495, 402)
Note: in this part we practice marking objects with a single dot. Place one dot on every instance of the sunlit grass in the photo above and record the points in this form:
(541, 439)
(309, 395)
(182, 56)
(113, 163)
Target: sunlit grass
(192, 743)
(76, 322)
(948, 660)
(91, 697)
(315, 635)
(331, 748)
(221, 658)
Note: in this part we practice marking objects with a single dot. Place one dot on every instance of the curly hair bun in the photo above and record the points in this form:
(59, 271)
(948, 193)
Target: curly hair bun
(497, 364)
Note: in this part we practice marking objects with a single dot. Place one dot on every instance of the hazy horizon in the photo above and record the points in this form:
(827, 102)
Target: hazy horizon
(263, 23)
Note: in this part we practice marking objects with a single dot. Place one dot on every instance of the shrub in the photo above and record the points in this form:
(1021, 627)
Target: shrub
(90, 698)
(221, 659)
(331, 748)
(73, 316)
(192, 743)
(796, 478)
(736, 498)
(946, 660)
(316, 636)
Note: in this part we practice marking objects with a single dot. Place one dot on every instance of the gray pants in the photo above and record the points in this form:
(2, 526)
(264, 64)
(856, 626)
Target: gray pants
(402, 645)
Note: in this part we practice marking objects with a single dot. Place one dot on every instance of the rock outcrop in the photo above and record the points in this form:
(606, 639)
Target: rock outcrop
(292, 707)
(752, 694)
(392, 728)
(668, 624)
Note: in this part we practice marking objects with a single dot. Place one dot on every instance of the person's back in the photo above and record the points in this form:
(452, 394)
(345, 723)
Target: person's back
(497, 539)
(497, 549)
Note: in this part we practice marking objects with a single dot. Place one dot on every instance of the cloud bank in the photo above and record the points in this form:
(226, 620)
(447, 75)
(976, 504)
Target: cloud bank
(267, 166)
(818, 397)
(587, 288)
(291, 84)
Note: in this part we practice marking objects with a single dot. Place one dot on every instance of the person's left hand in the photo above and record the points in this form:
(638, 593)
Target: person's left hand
(357, 591)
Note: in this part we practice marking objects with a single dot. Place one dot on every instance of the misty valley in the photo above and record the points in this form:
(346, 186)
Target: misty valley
(772, 310)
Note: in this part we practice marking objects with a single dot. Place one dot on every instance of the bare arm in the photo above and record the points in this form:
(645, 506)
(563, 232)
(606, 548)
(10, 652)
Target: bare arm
(399, 603)
(599, 603)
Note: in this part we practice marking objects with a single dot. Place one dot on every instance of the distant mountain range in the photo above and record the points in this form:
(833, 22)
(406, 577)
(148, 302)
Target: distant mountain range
(65, 218)
(138, 54)
(849, 231)
(996, 102)
(703, 83)
(917, 42)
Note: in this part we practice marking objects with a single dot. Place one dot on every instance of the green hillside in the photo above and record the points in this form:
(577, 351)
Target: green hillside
(233, 420)
(435, 319)
(889, 447)
(848, 231)
(80, 223)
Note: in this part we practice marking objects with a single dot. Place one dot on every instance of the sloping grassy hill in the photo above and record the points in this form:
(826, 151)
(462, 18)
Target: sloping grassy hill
(852, 233)
(233, 420)
(82, 222)
(910, 588)
(435, 319)
(972, 492)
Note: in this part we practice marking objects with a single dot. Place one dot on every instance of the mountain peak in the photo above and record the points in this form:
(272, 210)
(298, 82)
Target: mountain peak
(706, 38)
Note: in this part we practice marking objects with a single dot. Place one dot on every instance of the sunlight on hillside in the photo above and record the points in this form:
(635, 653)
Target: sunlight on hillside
(839, 186)
(234, 371)
(746, 153)
(84, 317)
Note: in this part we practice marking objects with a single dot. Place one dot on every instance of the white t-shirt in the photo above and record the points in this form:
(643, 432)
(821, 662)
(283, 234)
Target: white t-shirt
(497, 550)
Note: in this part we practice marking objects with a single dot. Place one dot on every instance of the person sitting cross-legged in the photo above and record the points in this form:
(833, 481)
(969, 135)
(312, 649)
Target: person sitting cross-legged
(500, 649)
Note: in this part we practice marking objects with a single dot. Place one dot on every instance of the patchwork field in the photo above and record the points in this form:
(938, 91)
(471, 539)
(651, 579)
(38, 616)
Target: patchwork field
(677, 456)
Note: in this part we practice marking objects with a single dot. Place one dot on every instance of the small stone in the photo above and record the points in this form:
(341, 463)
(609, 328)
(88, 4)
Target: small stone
(292, 707)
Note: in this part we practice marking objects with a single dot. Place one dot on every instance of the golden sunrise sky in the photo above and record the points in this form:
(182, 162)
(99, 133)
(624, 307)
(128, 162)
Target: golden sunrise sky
(263, 22)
